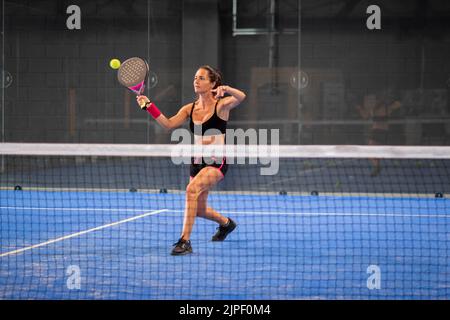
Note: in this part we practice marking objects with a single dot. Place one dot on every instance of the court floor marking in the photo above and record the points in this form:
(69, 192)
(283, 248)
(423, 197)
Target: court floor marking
(443, 216)
(351, 214)
(70, 209)
(281, 213)
(81, 233)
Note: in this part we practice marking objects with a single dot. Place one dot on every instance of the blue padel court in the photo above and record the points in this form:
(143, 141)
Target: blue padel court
(116, 245)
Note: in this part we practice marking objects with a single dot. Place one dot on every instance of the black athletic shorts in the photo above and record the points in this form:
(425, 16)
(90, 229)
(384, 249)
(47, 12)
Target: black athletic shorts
(222, 166)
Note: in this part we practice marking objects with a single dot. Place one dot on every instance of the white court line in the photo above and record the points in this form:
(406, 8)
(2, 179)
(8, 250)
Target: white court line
(72, 209)
(357, 214)
(81, 233)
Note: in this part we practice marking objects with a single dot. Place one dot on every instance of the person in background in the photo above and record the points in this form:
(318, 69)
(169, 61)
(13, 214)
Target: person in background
(378, 108)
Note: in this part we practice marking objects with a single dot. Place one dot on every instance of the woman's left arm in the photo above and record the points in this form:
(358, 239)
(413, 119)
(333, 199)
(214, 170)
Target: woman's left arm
(233, 100)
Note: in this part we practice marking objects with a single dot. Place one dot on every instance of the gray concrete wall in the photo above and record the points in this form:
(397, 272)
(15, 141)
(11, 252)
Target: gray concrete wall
(64, 91)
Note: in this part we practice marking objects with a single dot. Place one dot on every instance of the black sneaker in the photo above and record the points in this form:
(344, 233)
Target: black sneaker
(182, 247)
(224, 231)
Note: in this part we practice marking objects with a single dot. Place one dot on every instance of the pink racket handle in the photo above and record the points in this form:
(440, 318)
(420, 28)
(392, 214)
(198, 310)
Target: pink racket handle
(153, 110)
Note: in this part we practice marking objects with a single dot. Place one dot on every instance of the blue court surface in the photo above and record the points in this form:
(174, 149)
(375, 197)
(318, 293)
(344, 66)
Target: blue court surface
(116, 245)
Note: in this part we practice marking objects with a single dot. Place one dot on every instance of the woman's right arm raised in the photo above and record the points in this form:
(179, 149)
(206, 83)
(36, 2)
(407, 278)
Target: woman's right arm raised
(171, 123)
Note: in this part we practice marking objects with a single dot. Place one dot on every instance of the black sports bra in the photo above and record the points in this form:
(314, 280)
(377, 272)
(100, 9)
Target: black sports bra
(214, 122)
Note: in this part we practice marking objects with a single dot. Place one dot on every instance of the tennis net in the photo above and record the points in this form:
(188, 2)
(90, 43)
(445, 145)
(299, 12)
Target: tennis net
(313, 222)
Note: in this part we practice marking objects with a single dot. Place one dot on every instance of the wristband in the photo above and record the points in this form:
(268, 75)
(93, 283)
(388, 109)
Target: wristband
(152, 110)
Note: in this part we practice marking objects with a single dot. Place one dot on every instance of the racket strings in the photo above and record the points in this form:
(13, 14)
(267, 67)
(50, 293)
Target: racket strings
(133, 72)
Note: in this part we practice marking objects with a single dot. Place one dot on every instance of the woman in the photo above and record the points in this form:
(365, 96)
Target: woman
(211, 110)
(378, 109)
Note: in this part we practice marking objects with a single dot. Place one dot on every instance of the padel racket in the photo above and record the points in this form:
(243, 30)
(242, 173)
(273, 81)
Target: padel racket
(133, 74)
